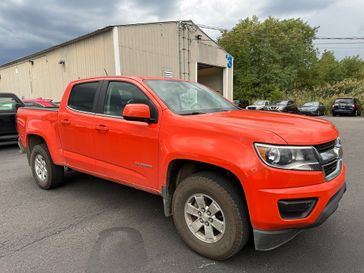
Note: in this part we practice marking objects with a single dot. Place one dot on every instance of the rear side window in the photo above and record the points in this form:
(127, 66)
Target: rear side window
(82, 96)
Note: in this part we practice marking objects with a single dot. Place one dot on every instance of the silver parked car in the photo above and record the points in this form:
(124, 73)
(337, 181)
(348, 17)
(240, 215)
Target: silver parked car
(258, 105)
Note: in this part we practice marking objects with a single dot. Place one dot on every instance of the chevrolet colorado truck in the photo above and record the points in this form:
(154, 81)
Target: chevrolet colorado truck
(225, 174)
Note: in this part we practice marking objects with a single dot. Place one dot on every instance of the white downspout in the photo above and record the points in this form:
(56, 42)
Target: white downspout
(115, 40)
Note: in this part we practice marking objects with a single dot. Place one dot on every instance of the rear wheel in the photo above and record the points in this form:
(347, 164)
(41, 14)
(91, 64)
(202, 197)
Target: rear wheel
(47, 175)
(210, 216)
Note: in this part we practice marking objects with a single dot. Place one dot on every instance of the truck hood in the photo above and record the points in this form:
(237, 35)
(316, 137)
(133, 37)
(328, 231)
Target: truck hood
(293, 129)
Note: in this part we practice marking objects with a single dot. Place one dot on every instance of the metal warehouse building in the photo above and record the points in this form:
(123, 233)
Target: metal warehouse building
(178, 49)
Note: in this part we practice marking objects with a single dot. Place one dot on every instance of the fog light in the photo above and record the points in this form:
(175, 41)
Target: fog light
(296, 208)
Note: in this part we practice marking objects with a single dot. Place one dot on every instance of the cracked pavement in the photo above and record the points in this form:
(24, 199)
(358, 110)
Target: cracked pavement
(92, 225)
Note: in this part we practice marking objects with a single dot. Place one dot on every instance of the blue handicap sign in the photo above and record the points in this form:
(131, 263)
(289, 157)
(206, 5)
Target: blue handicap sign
(229, 61)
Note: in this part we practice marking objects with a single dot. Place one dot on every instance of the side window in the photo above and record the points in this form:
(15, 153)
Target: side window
(7, 104)
(120, 94)
(82, 96)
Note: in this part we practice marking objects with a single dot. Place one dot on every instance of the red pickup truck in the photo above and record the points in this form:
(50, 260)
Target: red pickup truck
(225, 174)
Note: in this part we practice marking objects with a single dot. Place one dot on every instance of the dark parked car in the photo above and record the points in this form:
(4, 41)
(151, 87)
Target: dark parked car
(346, 106)
(241, 103)
(288, 106)
(9, 104)
(314, 108)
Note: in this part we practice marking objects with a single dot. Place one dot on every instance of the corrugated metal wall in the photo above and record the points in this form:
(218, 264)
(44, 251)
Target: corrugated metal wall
(156, 49)
(149, 49)
(47, 78)
(152, 49)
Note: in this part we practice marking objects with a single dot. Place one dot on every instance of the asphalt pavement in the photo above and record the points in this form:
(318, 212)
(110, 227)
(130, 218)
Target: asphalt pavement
(92, 225)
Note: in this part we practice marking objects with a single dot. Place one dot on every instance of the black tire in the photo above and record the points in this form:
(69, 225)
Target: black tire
(237, 225)
(55, 173)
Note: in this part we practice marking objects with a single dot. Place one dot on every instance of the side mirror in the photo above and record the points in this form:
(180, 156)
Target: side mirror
(137, 112)
(18, 105)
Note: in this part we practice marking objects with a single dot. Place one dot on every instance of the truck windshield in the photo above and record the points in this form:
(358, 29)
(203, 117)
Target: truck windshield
(347, 101)
(282, 103)
(311, 104)
(187, 98)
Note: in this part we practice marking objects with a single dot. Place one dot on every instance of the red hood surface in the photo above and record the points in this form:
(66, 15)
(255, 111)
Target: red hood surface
(293, 129)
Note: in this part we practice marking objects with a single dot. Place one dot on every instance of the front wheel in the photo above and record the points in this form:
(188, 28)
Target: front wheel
(210, 216)
(46, 174)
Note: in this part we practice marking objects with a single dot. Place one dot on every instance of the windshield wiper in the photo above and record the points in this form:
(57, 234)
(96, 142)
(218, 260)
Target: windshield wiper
(193, 113)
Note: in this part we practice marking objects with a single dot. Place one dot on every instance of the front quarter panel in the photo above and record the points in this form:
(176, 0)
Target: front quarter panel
(182, 137)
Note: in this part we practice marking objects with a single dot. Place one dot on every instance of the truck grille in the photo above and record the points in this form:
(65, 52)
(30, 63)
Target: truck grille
(330, 160)
(330, 167)
(325, 146)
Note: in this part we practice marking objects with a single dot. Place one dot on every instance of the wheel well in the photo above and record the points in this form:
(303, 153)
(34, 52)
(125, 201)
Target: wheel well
(179, 169)
(32, 141)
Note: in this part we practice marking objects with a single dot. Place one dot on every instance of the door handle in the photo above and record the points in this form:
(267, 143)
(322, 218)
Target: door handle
(102, 128)
(65, 121)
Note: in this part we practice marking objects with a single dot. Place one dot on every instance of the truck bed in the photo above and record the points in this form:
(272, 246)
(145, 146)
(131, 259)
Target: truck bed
(37, 120)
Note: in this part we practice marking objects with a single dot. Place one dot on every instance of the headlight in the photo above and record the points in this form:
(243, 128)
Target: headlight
(339, 148)
(289, 157)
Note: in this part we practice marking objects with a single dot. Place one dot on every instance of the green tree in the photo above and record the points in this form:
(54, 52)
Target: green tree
(271, 57)
(352, 67)
(328, 69)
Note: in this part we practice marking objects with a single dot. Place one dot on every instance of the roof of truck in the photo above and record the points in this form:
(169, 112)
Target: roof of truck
(137, 78)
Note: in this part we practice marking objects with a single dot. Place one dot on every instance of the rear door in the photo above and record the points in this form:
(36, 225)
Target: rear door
(126, 151)
(8, 107)
(76, 126)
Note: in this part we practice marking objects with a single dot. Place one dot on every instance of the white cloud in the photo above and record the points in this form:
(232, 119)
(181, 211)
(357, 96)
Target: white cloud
(28, 26)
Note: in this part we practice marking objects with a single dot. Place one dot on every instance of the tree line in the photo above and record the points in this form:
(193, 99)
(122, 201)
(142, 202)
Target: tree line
(276, 59)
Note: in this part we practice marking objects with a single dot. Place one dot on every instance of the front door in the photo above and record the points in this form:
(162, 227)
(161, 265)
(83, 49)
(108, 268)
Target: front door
(8, 107)
(127, 151)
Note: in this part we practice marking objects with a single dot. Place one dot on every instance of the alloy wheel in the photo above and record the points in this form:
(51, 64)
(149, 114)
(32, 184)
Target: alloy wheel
(204, 218)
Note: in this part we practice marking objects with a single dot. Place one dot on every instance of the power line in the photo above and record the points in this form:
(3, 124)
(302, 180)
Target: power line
(317, 38)
(339, 38)
(345, 43)
(213, 28)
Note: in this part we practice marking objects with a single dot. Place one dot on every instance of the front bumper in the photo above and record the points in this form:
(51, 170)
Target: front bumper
(309, 113)
(268, 240)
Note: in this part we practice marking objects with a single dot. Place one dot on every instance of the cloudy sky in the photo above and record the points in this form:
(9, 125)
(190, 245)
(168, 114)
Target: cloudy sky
(27, 26)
